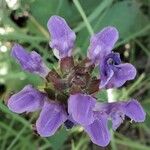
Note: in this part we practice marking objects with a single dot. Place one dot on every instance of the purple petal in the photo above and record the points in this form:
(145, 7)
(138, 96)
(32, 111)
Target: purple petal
(134, 110)
(117, 118)
(27, 100)
(105, 76)
(113, 73)
(105, 67)
(122, 73)
(102, 43)
(31, 62)
(62, 37)
(98, 131)
(51, 118)
(114, 110)
(80, 108)
(117, 111)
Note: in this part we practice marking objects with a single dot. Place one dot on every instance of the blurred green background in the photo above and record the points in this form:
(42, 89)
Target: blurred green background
(24, 22)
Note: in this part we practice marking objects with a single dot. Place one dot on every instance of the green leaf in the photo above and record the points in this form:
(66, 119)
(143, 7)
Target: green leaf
(126, 16)
(63, 8)
(58, 139)
(147, 110)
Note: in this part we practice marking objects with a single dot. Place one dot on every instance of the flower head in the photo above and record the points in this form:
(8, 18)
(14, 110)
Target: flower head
(67, 96)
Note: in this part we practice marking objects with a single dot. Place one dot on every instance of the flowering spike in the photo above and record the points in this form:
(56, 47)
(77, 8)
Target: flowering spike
(68, 94)
(31, 62)
(62, 37)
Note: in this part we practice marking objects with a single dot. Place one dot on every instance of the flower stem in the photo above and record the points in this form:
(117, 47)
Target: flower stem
(83, 15)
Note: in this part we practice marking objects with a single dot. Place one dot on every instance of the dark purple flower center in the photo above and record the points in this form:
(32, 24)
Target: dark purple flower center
(68, 124)
(113, 59)
(109, 63)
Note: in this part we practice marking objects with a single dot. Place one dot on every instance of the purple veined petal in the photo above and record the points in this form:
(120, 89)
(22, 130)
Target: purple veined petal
(113, 110)
(51, 118)
(122, 73)
(62, 37)
(117, 119)
(117, 111)
(106, 68)
(106, 71)
(134, 110)
(102, 43)
(31, 62)
(113, 73)
(27, 100)
(98, 131)
(80, 108)
(106, 74)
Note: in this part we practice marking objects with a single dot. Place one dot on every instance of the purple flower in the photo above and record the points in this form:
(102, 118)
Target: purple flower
(94, 116)
(52, 114)
(81, 107)
(112, 72)
(117, 111)
(31, 62)
(62, 37)
(64, 98)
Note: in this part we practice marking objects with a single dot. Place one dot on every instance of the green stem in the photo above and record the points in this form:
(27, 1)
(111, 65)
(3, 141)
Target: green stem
(96, 13)
(143, 30)
(143, 47)
(83, 15)
(41, 29)
(19, 135)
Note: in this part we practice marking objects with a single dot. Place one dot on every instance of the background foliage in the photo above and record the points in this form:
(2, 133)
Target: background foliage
(24, 22)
